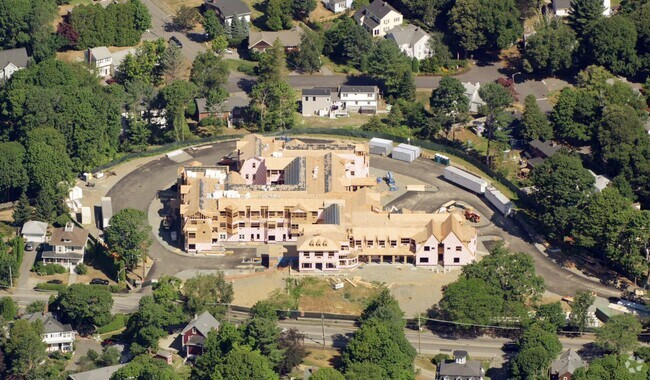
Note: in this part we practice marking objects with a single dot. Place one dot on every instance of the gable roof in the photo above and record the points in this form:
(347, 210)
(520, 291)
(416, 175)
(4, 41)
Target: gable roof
(69, 236)
(288, 38)
(17, 56)
(568, 362)
(103, 373)
(33, 227)
(227, 105)
(203, 324)
(377, 8)
(358, 88)
(317, 91)
(50, 324)
(230, 8)
(470, 369)
(562, 4)
(545, 147)
(406, 35)
(100, 52)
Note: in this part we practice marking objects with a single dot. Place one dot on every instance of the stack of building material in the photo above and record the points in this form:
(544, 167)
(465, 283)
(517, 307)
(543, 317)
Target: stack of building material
(405, 152)
(381, 147)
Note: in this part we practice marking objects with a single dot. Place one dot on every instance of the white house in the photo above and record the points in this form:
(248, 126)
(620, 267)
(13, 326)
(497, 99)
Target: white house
(561, 8)
(413, 41)
(228, 9)
(471, 91)
(56, 335)
(67, 246)
(332, 101)
(337, 6)
(102, 59)
(378, 18)
(34, 231)
(12, 60)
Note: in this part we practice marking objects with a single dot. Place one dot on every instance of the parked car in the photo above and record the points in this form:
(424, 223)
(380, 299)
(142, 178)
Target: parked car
(175, 41)
(29, 246)
(58, 282)
(98, 281)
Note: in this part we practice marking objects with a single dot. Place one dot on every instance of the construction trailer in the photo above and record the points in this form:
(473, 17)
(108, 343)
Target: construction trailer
(86, 215)
(405, 152)
(379, 146)
(107, 211)
(498, 200)
(465, 179)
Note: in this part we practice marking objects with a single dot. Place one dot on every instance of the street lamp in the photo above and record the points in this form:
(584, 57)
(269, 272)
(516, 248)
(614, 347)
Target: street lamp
(513, 75)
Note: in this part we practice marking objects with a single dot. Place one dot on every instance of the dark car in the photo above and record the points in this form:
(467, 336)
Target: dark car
(98, 281)
(175, 41)
(58, 282)
(29, 246)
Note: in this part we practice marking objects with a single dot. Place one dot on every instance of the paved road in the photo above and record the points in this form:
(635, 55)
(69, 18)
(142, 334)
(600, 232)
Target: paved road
(121, 303)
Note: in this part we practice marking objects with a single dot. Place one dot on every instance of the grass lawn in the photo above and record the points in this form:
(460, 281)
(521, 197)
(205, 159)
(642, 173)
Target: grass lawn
(354, 121)
(322, 358)
(318, 294)
(336, 68)
(171, 6)
(234, 63)
(423, 97)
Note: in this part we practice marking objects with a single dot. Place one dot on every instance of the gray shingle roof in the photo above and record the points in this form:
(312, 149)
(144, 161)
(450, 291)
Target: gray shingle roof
(33, 227)
(406, 35)
(472, 368)
(103, 373)
(50, 324)
(317, 91)
(17, 56)
(69, 236)
(358, 88)
(568, 362)
(562, 4)
(380, 8)
(288, 38)
(545, 147)
(203, 324)
(230, 8)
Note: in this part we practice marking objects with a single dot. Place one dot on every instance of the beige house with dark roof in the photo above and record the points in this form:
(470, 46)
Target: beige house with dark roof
(378, 18)
(67, 246)
(319, 196)
(260, 41)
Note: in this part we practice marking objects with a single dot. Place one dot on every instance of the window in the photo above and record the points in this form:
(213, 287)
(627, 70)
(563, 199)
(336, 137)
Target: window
(424, 259)
(306, 98)
(294, 226)
(253, 177)
(254, 165)
(456, 260)
(247, 176)
(191, 235)
(313, 98)
(459, 248)
(306, 265)
(242, 236)
(242, 224)
(393, 243)
(222, 237)
(386, 21)
(427, 248)
(330, 266)
(397, 19)
(369, 243)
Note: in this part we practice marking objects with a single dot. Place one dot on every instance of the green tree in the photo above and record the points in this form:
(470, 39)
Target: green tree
(472, 301)
(24, 349)
(552, 314)
(47, 160)
(612, 43)
(22, 210)
(364, 370)
(307, 58)
(278, 14)
(387, 63)
(617, 138)
(464, 25)
(302, 8)
(36, 307)
(208, 292)
(612, 367)
(216, 347)
(242, 363)
(551, 49)
(496, 99)
(448, 101)
(129, 236)
(176, 97)
(563, 186)
(291, 342)
(13, 174)
(171, 61)
(8, 309)
(150, 322)
(167, 289)
(575, 115)
(533, 122)
(580, 310)
(384, 308)
(628, 249)
(210, 74)
(262, 334)
(620, 334)
(144, 367)
(327, 374)
(583, 14)
(538, 346)
(211, 24)
(85, 304)
(219, 44)
(346, 42)
(145, 65)
(186, 17)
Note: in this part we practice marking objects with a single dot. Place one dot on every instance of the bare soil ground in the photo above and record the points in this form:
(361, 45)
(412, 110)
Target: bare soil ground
(320, 295)
(322, 358)
(355, 121)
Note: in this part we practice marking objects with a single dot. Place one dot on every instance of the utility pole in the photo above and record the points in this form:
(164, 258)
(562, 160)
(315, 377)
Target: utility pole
(419, 334)
(322, 319)
(11, 279)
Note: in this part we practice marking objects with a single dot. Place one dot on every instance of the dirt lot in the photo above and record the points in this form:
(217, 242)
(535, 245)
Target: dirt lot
(318, 294)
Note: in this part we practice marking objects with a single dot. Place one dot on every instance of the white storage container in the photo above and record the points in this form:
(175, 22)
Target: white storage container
(379, 146)
(85, 215)
(403, 154)
(107, 211)
(498, 200)
(414, 148)
(465, 179)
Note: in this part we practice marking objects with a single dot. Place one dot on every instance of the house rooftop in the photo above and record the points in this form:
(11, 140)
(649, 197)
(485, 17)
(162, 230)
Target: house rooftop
(546, 148)
(562, 4)
(377, 8)
(468, 370)
(33, 227)
(17, 56)
(203, 324)
(100, 52)
(69, 236)
(568, 362)
(406, 35)
(230, 8)
(317, 91)
(288, 38)
(103, 373)
(358, 88)
(50, 324)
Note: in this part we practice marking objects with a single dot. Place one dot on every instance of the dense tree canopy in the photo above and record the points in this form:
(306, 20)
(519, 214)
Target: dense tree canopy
(612, 44)
(346, 42)
(207, 292)
(484, 24)
(85, 304)
(583, 14)
(128, 236)
(551, 49)
(620, 334)
(27, 23)
(145, 367)
(387, 63)
(210, 74)
(534, 124)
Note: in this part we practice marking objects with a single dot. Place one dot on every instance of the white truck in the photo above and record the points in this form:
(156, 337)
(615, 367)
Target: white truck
(465, 179)
(498, 200)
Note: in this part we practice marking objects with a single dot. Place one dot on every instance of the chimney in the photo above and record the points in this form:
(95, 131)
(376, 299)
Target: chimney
(69, 227)
(460, 357)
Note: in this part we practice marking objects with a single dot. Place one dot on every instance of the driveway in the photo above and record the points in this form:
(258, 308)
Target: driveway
(81, 348)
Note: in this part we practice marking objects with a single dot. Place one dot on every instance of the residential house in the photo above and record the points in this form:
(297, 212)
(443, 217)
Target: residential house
(229, 9)
(56, 335)
(67, 246)
(471, 92)
(195, 333)
(337, 6)
(12, 60)
(362, 99)
(34, 231)
(564, 366)
(378, 18)
(412, 40)
(461, 368)
(103, 373)
(101, 58)
(600, 181)
(164, 355)
(317, 101)
(231, 109)
(562, 8)
(542, 149)
(260, 41)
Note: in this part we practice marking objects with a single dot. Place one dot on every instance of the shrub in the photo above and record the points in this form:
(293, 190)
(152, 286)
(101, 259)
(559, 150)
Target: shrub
(52, 287)
(81, 269)
(118, 322)
(247, 69)
(439, 359)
